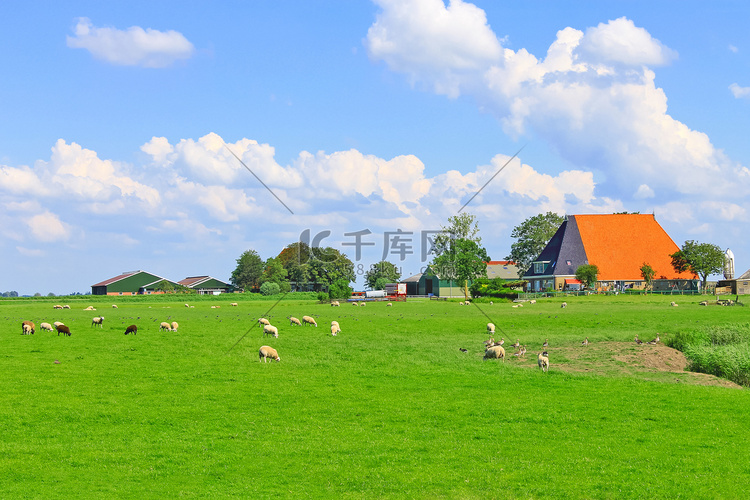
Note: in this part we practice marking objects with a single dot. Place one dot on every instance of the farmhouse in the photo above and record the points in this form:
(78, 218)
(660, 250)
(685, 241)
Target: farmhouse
(206, 285)
(431, 284)
(736, 286)
(618, 244)
(132, 283)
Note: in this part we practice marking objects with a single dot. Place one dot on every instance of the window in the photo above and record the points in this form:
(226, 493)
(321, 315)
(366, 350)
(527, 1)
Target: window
(539, 267)
(569, 262)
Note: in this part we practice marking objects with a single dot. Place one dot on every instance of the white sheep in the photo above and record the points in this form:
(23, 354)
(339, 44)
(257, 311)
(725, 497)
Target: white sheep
(335, 330)
(490, 328)
(308, 320)
(46, 326)
(263, 321)
(114, 306)
(26, 329)
(174, 326)
(294, 321)
(532, 301)
(58, 323)
(58, 306)
(187, 305)
(362, 304)
(704, 303)
(673, 304)
(495, 352)
(336, 323)
(266, 352)
(270, 330)
(165, 326)
(66, 306)
(99, 320)
(564, 305)
(543, 361)
(355, 304)
(335, 303)
(234, 304)
(389, 304)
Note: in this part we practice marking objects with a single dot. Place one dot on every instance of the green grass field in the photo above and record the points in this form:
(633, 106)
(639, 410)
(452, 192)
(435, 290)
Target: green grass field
(390, 408)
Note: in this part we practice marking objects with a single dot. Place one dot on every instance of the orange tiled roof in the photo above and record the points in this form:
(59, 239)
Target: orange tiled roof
(618, 244)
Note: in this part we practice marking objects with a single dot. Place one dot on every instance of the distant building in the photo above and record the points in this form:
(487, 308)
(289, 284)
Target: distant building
(429, 283)
(206, 285)
(618, 244)
(736, 286)
(412, 284)
(131, 283)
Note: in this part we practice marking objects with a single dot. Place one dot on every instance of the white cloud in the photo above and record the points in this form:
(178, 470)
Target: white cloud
(593, 98)
(644, 192)
(131, 47)
(30, 252)
(739, 92)
(734, 49)
(47, 227)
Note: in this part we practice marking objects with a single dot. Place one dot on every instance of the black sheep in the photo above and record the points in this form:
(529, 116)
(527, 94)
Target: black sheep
(63, 329)
(131, 329)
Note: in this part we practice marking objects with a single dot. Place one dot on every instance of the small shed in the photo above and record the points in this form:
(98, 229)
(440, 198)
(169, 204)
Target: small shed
(736, 286)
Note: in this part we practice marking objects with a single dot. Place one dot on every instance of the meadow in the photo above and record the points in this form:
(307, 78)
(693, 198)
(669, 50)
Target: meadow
(390, 408)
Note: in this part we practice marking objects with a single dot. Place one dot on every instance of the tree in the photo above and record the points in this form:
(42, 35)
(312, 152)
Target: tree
(248, 271)
(269, 288)
(460, 256)
(328, 265)
(703, 259)
(532, 236)
(383, 269)
(340, 289)
(648, 273)
(587, 274)
(164, 286)
(274, 272)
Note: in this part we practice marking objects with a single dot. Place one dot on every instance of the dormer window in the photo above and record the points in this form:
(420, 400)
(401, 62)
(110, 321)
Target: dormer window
(539, 267)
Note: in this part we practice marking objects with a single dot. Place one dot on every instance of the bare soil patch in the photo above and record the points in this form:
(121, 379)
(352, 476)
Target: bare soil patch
(653, 362)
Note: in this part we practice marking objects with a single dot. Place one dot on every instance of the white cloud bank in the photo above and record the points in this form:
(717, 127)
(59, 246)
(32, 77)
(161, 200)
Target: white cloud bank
(739, 92)
(592, 96)
(131, 47)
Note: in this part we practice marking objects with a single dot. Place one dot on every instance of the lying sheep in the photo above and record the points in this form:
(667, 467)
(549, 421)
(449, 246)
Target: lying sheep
(46, 326)
(114, 306)
(673, 304)
(90, 308)
(564, 305)
(495, 352)
(57, 307)
(99, 320)
(335, 303)
(294, 321)
(266, 352)
(308, 320)
(263, 321)
(270, 330)
(532, 301)
(174, 326)
(64, 330)
(491, 328)
(165, 326)
(704, 303)
(66, 306)
(131, 329)
(543, 361)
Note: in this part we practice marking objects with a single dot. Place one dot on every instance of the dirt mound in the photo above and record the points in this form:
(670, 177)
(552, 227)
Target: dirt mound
(652, 362)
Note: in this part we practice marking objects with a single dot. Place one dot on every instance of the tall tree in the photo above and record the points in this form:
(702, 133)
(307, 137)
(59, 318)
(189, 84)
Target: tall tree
(274, 272)
(459, 254)
(248, 271)
(647, 273)
(532, 236)
(382, 270)
(703, 259)
(587, 274)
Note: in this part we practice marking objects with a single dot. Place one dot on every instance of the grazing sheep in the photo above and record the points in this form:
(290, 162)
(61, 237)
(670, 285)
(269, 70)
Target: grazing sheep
(270, 330)
(58, 306)
(335, 303)
(174, 326)
(90, 308)
(532, 301)
(704, 303)
(335, 323)
(46, 326)
(57, 323)
(673, 304)
(308, 320)
(64, 330)
(131, 329)
(266, 352)
(186, 305)
(564, 305)
(99, 320)
(28, 328)
(263, 321)
(66, 306)
(294, 321)
(355, 304)
(490, 328)
(165, 326)
(362, 304)
(114, 306)
(234, 304)
(585, 342)
(491, 302)
(335, 330)
(389, 304)
(543, 361)
(495, 352)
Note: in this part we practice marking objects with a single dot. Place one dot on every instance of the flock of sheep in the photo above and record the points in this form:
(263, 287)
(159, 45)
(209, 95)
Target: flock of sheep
(266, 352)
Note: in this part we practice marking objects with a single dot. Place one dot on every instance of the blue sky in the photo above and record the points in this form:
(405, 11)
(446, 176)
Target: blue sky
(360, 115)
